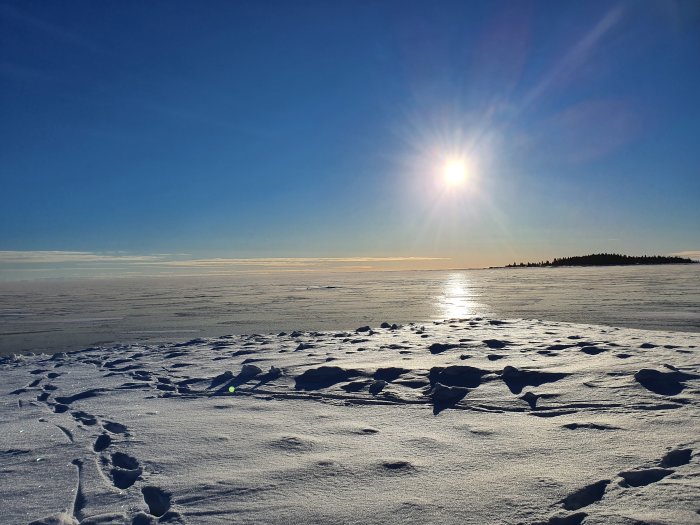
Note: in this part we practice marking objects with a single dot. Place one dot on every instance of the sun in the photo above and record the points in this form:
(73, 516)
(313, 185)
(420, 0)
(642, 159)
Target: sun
(454, 173)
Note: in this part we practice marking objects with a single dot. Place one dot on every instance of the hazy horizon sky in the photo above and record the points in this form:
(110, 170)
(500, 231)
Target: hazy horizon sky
(140, 135)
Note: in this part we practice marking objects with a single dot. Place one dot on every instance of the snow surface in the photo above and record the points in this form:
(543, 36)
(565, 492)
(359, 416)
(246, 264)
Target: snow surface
(462, 421)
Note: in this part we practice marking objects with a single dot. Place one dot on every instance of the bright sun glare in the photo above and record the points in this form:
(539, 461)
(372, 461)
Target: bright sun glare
(454, 172)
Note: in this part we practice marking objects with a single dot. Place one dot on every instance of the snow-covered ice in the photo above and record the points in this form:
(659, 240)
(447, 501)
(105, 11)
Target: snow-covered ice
(464, 421)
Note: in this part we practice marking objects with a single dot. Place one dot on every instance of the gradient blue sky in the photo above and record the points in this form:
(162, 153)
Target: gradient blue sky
(172, 130)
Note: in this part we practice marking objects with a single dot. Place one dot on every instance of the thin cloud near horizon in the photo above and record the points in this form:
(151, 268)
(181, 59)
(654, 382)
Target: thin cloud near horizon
(292, 261)
(57, 257)
(692, 254)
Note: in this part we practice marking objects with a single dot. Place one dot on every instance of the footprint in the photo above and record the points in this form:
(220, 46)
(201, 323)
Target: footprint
(592, 350)
(456, 376)
(517, 379)
(438, 348)
(125, 461)
(663, 383)
(323, 377)
(67, 400)
(586, 495)
(102, 442)
(84, 418)
(641, 478)
(676, 458)
(398, 465)
(446, 396)
(115, 428)
(158, 500)
(123, 478)
(125, 470)
(530, 399)
(496, 343)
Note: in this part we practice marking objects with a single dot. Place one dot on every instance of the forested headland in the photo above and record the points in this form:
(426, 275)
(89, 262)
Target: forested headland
(604, 259)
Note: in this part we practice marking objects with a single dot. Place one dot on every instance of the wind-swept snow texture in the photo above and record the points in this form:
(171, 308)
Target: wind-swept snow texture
(471, 421)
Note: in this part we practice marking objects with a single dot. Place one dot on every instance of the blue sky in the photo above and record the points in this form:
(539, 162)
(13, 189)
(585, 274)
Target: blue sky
(182, 131)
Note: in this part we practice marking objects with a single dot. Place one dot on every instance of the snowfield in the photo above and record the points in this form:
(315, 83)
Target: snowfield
(472, 421)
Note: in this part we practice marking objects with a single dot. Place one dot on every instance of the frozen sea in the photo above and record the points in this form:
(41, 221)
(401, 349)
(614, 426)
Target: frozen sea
(57, 315)
(478, 419)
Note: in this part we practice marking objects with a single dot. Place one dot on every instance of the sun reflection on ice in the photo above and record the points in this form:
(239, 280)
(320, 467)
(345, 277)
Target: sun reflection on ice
(457, 298)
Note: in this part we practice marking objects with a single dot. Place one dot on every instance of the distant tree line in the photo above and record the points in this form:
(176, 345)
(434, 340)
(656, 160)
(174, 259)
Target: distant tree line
(604, 259)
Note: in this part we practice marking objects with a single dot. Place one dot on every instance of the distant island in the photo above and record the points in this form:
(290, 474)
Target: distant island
(605, 259)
